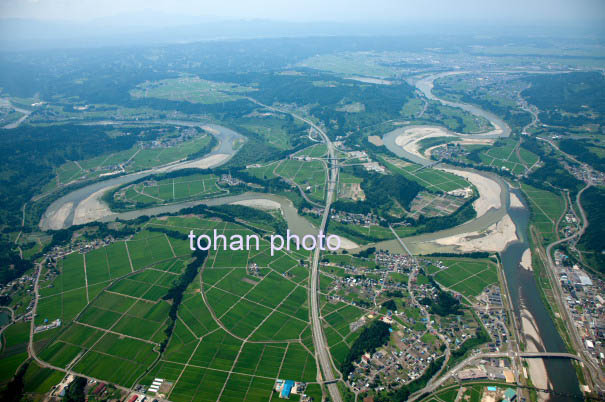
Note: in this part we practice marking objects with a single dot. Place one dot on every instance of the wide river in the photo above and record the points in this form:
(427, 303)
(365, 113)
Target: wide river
(226, 138)
(522, 285)
(525, 294)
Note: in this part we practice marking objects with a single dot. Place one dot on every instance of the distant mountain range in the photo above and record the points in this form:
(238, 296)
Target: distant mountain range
(156, 28)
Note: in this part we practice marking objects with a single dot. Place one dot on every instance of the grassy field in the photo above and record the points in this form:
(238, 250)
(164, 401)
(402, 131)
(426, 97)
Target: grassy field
(431, 179)
(65, 296)
(264, 172)
(336, 320)
(265, 305)
(131, 160)
(504, 155)
(148, 158)
(349, 260)
(277, 130)
(191, 89)
(467, 276)
(14, 349)
(528, 157)
(349, 63)
(39, 380)
(237, 329)
(314, 151)
(458, 120)
(177, 189)
(412, 108)
(546, 208)
(309, 175)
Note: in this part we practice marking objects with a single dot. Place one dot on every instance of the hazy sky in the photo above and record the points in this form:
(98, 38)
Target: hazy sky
(522, 11)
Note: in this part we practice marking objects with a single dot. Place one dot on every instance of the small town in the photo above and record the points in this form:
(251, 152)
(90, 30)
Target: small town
(583, 295)
(365, 220)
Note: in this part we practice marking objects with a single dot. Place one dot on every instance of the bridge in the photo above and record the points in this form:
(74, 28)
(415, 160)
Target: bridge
(534, 355)
(428, 165)
(550, 354)
(321, 158)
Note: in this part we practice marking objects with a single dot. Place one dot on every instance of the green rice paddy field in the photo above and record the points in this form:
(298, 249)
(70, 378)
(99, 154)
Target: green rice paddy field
(546, 208)
(133, 159)
(431, 179)
(177, 189)
(466, 276)
(505, 155)
(237, 330)
(309, 175)
(191, 89)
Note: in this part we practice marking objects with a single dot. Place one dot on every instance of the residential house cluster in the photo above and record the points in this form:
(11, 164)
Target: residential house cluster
(349, 218)
(583, 298)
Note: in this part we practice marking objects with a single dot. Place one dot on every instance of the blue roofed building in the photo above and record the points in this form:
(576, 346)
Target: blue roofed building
(285, 392)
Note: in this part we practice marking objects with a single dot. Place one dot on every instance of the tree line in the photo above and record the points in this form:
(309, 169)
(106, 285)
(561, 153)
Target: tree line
(370, 338)
(175, 294)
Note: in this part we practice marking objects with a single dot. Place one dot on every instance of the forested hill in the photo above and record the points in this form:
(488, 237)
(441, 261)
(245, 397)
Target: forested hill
(87, 71)
(329, 96)
(591, 243)
(572, 98)
(28, 155)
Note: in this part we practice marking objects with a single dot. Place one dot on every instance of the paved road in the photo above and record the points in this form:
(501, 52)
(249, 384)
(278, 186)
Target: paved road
(478, 356)
(17, 123)
(319, 341)
(552, 144)
(30, 347)
(598, 380)
(425, 312)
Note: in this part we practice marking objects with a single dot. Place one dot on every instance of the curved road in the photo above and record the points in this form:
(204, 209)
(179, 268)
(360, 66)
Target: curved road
(598, 380)
(21, 119)
(422, 308)
(478, 356)
(321, 348)
(319, 340)
(30, 346)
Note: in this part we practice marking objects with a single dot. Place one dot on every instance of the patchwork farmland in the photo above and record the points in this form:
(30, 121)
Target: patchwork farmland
(243, 322)
(466, 276)
(156, 192)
